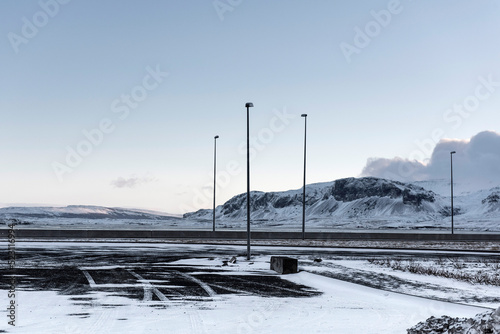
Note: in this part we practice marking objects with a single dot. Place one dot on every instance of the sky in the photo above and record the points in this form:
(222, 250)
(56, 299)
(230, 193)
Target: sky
(117, 103)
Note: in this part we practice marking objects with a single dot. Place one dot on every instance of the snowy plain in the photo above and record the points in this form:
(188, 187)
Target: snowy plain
(340, 306)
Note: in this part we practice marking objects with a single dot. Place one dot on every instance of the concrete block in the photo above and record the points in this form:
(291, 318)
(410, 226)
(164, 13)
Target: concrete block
(284, 265)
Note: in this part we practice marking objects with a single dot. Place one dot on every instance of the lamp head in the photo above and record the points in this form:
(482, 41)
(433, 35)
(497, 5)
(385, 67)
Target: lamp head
(303, 115)
(453, 152)
(216, 137)
(249, 105)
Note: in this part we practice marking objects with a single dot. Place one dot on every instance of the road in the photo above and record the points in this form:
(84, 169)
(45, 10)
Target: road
(130, 270)
(150, 272)
(123, 287)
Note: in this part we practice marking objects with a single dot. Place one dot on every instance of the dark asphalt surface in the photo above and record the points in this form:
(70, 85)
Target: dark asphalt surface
(143, 273)
(149, 273)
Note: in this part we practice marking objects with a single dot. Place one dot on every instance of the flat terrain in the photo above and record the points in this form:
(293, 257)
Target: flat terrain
(143, 288)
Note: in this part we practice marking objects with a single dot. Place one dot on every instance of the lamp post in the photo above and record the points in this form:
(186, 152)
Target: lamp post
(304, 187)
(451, 170)
(248, 105)
(215, 174)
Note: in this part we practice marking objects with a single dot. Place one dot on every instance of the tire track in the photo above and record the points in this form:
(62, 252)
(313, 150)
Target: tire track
(149, 289)
(203, 285)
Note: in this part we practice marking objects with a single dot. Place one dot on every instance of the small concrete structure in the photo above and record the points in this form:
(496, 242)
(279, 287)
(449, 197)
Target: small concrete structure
(284, 265)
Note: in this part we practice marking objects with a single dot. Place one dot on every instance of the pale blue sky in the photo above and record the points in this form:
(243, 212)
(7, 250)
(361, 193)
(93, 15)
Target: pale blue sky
(284, 56)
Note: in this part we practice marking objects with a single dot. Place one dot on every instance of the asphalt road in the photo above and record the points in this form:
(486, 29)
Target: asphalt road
(139, 272)
(148, 273)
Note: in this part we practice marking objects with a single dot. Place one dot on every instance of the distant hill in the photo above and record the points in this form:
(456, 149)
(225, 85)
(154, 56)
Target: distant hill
(82, 212)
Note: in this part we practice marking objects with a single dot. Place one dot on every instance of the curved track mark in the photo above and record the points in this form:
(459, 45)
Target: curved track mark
(89, 278)
(203, 285)
(149, 289)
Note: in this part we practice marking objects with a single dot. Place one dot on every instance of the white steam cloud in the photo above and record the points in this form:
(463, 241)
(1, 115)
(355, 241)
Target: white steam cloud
(476, 161)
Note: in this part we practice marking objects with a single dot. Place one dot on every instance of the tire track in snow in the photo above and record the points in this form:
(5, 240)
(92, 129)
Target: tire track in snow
(92, 283)
(105, 317)
(203, 285)
(149, 289)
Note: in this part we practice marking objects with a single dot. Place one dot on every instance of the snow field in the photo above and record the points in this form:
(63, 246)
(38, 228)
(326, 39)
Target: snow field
(341, 308)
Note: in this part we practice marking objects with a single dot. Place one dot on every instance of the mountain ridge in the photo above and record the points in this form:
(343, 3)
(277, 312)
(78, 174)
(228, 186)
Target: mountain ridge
(366, 202)
(356, 199)
(81, 211)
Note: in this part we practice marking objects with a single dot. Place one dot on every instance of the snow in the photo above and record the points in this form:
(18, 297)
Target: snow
(364, 203)
(423, 285)
(342, 307)
(487, 322)
(81, 210)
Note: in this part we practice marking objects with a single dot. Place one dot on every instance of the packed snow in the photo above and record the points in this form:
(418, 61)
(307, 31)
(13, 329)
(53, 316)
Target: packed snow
(341, 306)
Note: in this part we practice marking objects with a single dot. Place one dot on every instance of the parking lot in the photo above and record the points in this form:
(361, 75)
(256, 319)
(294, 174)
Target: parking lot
(78, 287)
(142, 274)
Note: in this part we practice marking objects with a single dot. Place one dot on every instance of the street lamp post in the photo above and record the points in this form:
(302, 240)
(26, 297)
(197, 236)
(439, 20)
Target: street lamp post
(304, 187)
(248, 105)
(451, 170)
(215, 174)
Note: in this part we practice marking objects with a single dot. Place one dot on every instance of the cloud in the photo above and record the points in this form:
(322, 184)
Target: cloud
(476, 161)
(131, 182)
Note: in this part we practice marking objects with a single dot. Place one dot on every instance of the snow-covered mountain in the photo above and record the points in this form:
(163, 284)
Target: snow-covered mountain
(80, 211)
(351, 203)
(360, 200)
(345, 198)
